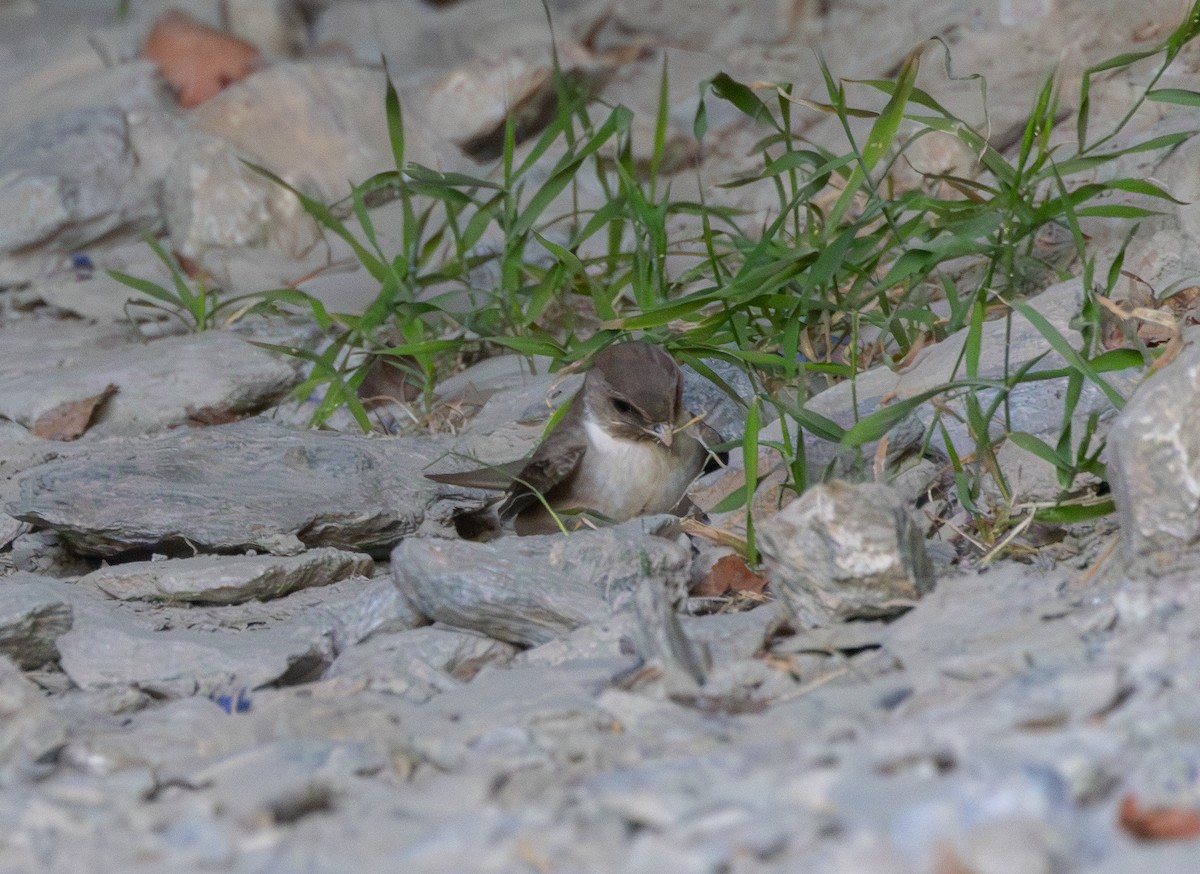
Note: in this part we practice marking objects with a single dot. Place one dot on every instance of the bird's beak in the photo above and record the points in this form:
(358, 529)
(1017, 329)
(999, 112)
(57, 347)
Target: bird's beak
(663, 433)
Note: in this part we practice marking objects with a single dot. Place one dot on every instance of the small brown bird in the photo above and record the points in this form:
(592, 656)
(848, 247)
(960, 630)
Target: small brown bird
(625, 447)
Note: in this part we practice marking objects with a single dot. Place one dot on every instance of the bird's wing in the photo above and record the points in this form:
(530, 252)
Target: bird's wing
(552, 463)
(498, 476)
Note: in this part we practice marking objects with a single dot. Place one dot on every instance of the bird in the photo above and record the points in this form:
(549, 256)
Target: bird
(625, 447)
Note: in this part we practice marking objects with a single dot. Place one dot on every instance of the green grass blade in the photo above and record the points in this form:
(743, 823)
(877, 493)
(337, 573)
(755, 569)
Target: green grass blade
(1060, 345)
(750, 463)
(395, 120)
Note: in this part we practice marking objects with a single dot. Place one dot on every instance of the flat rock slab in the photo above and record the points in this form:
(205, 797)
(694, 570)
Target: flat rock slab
(229, 488)
(32, 617)
(418, 664)
(212, 376)
(111, 651)
(233, 579)
(529, 590)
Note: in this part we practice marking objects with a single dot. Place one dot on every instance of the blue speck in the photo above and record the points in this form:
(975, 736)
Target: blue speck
(234, 704)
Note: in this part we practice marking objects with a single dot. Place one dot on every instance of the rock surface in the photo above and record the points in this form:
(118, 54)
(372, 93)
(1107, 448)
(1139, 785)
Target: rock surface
(251, 484)
(552, 704)
(71, 179)
(213, 376)
(529, 590)
(32, 618)
(1154, 451)
(227, 579)
(843, 551)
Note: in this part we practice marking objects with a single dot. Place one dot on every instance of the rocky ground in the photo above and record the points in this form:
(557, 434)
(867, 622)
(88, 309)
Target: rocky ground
(231, 643)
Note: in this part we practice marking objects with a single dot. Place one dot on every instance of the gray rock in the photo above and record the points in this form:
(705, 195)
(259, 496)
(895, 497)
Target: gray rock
(418, 664)
(317, 124)
(845, 551)
(516, 401)
(70, 179)
(469, 106)
(724, 414)
(184, 662)
(73, 70)
(228, 579)
(62, 342)
(1162, 857)
(549, 700)
(32, 618)
(320, 126)
(528, 590)
(212, 200)
(172, 651)
(418, 39)
(726, 637)
(10, 529)
(283, 781)
(97, 297)
(351, 610)
(373, 608)
(44, 553)
(609, 638)
(276, 28)
(984, 628)
(1154, 460)
(25, 721)
(169, 739)
(236, 487)
(213, 376)
(661, 643)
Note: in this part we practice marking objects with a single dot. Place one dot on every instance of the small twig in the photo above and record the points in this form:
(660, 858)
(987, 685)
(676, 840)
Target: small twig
(963, 534)
(811, 684)
(1016, 532)
(879, 465)
(1086, 577)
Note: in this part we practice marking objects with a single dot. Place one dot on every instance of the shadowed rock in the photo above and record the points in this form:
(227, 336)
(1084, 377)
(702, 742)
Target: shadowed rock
(32, 617)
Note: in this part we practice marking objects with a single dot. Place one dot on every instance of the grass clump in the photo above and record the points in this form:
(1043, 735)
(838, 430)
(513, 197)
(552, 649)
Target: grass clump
(192, 302)
(853, 270)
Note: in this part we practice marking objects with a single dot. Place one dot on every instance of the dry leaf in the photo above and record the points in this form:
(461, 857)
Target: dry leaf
(729, 574)
(70, 419)
(192, 268)
(212, 415)
(196, 59)
(1158, 823)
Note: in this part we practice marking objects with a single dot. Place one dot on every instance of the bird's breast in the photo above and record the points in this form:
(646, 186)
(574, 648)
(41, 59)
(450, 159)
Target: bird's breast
(621, 478)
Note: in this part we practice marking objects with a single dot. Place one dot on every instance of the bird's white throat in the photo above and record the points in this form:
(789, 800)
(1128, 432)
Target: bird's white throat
(625, 478)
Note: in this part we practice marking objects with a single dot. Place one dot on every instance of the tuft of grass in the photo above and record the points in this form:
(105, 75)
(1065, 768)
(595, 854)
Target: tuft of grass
(198, 308)
(852, 271)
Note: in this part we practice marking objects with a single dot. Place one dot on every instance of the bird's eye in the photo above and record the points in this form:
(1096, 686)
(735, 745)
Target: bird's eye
(622, 407)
